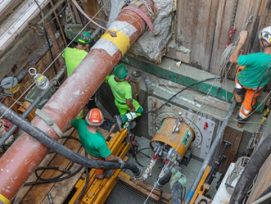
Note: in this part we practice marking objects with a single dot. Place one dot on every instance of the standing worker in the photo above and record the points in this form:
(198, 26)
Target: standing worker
(74, 56)
(253, 73)
(94, 142)
(122, 92)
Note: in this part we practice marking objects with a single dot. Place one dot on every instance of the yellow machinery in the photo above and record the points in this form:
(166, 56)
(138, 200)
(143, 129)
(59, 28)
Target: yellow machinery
(169, 143)
(98, 190)
(173, 133)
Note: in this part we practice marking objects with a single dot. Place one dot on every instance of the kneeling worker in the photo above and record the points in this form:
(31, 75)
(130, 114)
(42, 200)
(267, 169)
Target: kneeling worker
(93, 141)
(253, 73)
(122, 92)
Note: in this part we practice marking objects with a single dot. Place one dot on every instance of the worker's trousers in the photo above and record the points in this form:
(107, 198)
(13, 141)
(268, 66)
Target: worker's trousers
(99, 172)
(248, 93)
(123, 109)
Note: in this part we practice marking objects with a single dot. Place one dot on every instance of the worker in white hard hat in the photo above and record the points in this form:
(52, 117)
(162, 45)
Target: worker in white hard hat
(93, 141)
(253, 73)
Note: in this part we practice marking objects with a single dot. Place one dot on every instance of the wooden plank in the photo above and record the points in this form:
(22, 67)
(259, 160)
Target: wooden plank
(196, 21)
(138, 188)
(39, 192)
(147, 186)
(224, 19)
(212, 102)
(234, 137)
(23, 191)
(262, 182)
(62, 189)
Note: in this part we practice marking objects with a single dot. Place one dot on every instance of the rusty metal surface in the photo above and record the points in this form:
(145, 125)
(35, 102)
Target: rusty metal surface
(22, 158)
(166, 135)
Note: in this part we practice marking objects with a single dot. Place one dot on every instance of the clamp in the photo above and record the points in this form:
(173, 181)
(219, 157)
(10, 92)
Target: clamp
(49, 121)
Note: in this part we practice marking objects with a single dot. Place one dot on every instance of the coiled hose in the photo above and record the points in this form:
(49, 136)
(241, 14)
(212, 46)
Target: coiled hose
(251, 170)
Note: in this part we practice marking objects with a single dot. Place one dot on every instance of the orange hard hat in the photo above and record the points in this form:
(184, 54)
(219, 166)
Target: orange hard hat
(95, 117)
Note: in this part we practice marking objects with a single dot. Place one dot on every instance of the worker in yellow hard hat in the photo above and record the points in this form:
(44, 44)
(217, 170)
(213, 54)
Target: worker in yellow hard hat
(253, 73)
(93, 141)
(128, 107)
(74, 56)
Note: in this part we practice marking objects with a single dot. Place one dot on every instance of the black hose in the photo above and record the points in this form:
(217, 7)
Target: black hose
(165, 179)
(176, 193)
(140, 151)
(251, 170)
(179, 93)
(60, 149)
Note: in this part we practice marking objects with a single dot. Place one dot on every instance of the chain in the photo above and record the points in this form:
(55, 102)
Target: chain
(148, 7)
(233, 18)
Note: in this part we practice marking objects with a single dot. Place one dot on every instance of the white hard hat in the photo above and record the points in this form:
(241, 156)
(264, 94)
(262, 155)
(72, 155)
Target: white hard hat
(266, 34)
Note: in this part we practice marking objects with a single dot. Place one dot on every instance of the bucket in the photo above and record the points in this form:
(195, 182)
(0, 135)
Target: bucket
(10, 85)
(71, 30)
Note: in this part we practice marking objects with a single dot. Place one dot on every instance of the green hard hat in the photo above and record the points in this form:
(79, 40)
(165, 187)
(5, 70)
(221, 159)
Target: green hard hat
(84, 37)
(120, 71)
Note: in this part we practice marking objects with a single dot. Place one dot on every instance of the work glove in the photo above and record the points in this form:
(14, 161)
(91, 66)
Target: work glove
(177, 176)
(121, 162)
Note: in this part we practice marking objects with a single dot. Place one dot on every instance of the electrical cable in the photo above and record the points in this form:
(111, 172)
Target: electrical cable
(64, 171)
(153, 111)
(46, 36)
(140, 151)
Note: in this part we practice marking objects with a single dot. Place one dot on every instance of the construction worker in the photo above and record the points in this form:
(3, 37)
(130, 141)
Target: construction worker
(73, 57)
(128, 107)
(253, 73)
(93, 141)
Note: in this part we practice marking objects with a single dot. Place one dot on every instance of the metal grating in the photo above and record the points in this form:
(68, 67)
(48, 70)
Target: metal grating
(125, 194)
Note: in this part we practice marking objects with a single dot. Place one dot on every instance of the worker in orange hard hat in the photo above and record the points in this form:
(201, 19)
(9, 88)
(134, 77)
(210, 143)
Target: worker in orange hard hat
(93, 141)
(253, 73)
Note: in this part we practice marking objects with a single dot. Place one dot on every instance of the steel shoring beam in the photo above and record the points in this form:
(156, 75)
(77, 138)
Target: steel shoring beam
(206, 161)
(24, 156)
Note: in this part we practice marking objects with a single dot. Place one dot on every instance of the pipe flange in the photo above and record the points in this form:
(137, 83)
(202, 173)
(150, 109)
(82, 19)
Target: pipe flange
(198, 136)
(161, 116)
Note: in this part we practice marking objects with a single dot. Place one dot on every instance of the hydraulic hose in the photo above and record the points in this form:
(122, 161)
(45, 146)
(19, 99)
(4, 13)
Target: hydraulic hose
(251, 170)
(60, 149)
(165, 179)
(176, 193)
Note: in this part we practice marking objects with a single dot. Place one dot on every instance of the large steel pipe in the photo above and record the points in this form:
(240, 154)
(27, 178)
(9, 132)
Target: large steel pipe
(23, 157)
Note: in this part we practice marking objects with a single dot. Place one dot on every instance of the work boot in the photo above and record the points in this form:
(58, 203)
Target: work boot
(106, 174)
(237, 97)
(240, 125)
(118, 120)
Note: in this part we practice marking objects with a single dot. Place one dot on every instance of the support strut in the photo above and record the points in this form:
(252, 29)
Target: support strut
(24, 156)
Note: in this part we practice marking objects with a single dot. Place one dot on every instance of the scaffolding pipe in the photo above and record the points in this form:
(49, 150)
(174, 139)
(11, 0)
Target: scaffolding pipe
(210, 153)
(23, 157)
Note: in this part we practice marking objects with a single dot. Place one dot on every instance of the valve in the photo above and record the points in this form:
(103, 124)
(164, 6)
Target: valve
(205, 126)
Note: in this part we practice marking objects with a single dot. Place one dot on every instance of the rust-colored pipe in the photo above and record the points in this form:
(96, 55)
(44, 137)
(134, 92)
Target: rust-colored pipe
(23, 157)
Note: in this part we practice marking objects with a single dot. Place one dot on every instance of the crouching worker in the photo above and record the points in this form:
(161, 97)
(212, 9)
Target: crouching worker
(94, 142)
(128, 107)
